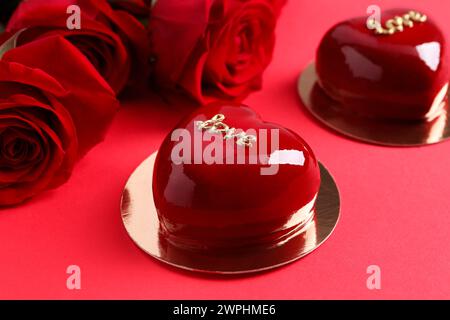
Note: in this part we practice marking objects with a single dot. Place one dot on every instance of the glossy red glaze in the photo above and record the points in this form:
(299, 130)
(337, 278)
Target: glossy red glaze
(209, 206)
(386, 76)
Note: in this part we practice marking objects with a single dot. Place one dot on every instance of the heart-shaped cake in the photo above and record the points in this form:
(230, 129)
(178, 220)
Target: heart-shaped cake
(226, 179)
(395, 68)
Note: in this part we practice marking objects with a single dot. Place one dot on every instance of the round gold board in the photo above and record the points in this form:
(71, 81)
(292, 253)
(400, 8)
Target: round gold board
(140, 219)
(388, 133)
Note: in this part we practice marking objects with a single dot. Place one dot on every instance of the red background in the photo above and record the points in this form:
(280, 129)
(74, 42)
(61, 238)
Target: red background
(395, 202)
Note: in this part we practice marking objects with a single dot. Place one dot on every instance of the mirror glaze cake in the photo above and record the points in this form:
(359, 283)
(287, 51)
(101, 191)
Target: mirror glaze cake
(393, 69)
(226, 179)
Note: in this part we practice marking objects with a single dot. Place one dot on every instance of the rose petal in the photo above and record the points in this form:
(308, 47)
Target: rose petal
(45, 18)
(91, 113)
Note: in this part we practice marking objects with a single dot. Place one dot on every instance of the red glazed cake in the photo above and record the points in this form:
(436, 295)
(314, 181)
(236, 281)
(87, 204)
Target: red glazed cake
(233, 202)
(395, 69)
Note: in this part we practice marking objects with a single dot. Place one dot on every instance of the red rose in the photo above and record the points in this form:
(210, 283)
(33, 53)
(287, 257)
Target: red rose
(113, 40)
(135, 7)
(6, 9)
(48, 119)
(213, 49)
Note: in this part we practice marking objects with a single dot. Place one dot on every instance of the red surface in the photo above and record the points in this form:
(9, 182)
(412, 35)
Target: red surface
(395, 202)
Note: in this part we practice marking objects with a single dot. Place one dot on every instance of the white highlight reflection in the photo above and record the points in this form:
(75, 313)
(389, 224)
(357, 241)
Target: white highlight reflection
(430, 53)
(293, 157)
(438, 105)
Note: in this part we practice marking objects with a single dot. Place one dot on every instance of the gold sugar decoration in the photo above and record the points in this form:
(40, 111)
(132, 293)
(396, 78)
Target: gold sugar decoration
(398, 23)
(216, 125)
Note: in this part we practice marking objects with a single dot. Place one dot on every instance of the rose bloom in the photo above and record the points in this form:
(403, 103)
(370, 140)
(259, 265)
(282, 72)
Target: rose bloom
(114, 41)
(54, 107)
(212, 49)
(6, 9)
(138, 8)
